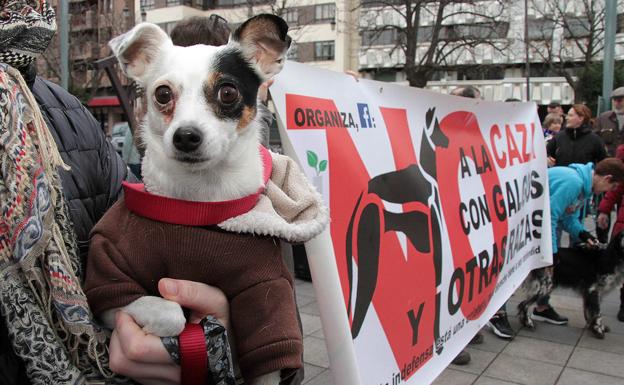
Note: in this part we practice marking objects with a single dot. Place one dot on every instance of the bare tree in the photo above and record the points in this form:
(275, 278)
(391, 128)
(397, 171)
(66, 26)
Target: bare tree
(90, 30)
(568, 37)
(432, 34)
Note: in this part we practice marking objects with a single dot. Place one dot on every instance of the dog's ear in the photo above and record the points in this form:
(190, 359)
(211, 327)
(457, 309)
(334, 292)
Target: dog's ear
(137, 49)
(264, 42)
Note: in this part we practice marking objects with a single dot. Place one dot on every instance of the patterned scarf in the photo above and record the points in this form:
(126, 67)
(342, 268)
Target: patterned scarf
(41, 300)
(26, 29)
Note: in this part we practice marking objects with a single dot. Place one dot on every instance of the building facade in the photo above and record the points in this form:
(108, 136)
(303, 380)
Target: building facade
(557, 34)
(362, 36)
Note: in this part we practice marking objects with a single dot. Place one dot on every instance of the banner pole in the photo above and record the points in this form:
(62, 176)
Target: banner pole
(328, 293)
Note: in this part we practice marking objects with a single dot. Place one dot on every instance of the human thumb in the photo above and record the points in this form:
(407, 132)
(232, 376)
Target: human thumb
(201, 299)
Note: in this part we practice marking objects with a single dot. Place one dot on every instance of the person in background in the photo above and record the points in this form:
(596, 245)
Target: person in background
(576, 143)
(610, 127)
(130, 154)
(551, 126)
(467, 92)
(554, 107)
(571, 188)
(610, 200)
(610, 124)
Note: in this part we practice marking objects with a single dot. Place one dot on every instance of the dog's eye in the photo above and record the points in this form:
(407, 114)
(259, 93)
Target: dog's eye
(163, 94)
(228, 94)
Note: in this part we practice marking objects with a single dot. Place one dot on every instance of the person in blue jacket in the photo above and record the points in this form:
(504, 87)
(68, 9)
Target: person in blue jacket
(571, 187)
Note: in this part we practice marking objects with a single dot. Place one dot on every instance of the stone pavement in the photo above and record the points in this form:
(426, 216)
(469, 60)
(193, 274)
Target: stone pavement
(562, 355)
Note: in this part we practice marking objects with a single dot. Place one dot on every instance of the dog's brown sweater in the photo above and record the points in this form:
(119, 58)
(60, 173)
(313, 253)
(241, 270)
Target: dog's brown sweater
(249, 269)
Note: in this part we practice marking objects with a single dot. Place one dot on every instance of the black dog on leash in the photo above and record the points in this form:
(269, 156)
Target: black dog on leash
(593, 272)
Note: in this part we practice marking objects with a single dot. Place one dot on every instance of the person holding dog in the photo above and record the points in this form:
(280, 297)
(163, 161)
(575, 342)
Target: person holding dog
(571, 188)
(59, 176)
(52, 142)
(128, 338)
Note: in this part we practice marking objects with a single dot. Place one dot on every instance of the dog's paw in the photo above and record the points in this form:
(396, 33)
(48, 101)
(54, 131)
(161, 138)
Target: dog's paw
(525, 320)
(157, 316)
(598, 330)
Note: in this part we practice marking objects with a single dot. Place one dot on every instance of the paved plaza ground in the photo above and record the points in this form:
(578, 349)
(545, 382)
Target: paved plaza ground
(562, 355)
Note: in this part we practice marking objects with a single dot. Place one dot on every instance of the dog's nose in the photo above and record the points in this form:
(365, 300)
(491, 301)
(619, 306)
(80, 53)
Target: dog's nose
(187, 139)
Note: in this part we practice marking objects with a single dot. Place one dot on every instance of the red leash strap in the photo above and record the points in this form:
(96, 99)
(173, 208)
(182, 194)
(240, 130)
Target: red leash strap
(193, 355)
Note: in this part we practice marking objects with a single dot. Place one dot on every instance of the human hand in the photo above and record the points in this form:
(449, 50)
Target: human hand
(141, 356)
(602, 220)
(589, 239)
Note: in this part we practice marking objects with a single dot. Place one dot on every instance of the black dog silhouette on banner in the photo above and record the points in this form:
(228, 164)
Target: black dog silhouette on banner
(401, 187)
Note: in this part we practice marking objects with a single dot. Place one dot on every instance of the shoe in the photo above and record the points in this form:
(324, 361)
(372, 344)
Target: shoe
(549, 315)
(463, 358)
(620, 314)
(477, 339)
(500, 326)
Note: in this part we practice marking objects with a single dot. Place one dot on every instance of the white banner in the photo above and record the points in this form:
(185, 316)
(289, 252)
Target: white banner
(439, 209)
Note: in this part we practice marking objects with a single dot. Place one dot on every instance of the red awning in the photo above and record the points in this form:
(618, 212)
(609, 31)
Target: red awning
(104, 101)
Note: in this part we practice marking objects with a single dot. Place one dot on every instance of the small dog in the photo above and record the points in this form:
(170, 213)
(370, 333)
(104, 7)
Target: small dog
(201, 137)
(593, 272)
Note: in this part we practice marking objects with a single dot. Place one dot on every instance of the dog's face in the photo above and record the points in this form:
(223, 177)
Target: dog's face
(202, 99)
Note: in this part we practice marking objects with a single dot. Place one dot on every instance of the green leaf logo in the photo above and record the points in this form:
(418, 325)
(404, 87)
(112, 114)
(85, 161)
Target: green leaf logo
(312, 159)
(313, 162)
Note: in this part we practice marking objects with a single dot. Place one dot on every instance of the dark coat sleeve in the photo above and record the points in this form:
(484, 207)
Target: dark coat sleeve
(601, 149)
(93, 183)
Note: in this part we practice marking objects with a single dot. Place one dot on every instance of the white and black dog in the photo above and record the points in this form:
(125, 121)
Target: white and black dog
(201, 108)
(201, 126)
(592, 272)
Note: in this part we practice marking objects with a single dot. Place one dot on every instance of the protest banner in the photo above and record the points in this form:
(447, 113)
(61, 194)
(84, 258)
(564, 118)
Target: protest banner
(439, 209)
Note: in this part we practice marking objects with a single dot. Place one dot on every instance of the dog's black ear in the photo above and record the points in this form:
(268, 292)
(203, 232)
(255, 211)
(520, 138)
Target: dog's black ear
(137, 49)
(264, 41)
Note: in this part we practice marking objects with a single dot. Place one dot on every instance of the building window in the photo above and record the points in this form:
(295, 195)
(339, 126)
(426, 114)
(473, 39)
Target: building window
(381, 37)
(147, 5)
(291, 16)
(541, 29)
(325, 12)
(233, 2)
(173, 3)
(324, 50)
(385, 76)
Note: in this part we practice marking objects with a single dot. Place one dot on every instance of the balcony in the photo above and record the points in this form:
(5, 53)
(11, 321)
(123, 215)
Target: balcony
(83, 51)
(83, 22)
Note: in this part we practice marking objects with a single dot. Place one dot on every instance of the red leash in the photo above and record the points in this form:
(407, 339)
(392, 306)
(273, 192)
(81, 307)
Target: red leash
(193, 356)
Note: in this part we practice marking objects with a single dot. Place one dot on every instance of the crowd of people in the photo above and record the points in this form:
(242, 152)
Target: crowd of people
(576, 146)
(56, 159)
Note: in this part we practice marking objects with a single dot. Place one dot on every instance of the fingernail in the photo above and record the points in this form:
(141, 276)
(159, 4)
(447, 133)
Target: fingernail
(170, 287)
